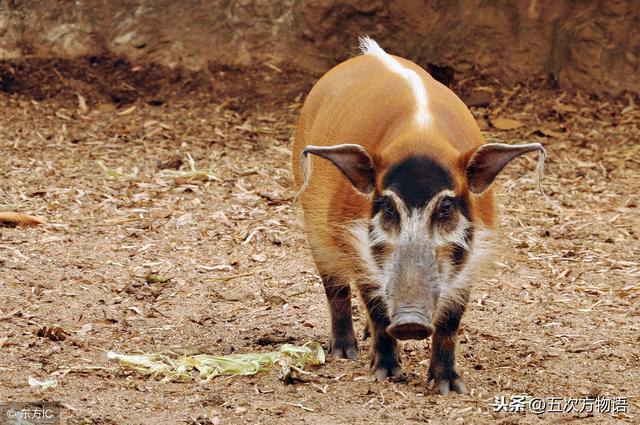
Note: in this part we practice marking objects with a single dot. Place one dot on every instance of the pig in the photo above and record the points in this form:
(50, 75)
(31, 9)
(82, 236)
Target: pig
(399, 205)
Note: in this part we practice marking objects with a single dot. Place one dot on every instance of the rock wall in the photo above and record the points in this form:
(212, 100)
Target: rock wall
(591, 45)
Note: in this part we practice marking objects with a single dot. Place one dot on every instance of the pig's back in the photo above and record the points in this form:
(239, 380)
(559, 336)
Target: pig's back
(359, 101)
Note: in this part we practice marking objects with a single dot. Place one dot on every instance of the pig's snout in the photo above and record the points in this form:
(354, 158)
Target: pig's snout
(410, 325)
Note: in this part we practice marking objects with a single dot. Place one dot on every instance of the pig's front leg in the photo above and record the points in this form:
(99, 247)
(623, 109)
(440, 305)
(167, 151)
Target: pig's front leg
(443, 353)
(385, 359)
(342, 343)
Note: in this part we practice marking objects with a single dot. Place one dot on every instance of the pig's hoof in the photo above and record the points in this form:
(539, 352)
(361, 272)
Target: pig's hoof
(367, 333)
(444, 386)
(386, 367)
(344, 348)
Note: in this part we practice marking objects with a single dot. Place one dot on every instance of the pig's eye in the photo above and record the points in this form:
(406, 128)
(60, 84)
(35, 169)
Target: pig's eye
(389, 211)
(446, 208)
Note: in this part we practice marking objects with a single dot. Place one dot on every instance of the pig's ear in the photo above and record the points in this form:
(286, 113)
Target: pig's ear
(482, 164)
(353, 160)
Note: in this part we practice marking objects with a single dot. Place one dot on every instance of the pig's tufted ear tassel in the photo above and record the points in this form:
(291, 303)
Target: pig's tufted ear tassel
(305, 166)
(542, 157)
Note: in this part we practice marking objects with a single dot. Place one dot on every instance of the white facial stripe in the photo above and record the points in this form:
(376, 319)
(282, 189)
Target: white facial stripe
(400, 206)
(431, 206)
(428, 209)
(457, 236)
(452, 294)
(455, 283)
(362, 243)
(481, 248)
(422, 117)
(377, 235)
(390, 193)
(414, 224)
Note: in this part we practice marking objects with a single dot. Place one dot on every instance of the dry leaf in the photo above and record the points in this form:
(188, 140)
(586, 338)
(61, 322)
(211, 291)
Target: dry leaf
(19, 219)
(160, 213)
(118, 173)
(63, 116)
(184, 219)
(274, 338)
(128, 110)
(156, 278)
(54, 333)
(192, 174)
(105, 107)
(482, 124)
(561, 107)
(82, 103)
(275, 300)
(171, 164)
(506, 123)
(45, 385)
(550, 133)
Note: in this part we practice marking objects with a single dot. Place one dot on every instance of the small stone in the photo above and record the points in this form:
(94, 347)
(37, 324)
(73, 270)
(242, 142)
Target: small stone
(296, 289)
(259, 258)
(478, 98)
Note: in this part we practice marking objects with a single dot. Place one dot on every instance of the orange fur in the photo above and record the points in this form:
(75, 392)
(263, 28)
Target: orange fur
(361, 101)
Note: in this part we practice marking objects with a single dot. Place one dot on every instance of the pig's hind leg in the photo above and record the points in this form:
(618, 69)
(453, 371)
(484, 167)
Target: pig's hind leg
(342, 343)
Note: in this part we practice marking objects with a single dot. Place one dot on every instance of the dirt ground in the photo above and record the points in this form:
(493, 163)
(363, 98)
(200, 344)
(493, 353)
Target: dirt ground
(558, 315)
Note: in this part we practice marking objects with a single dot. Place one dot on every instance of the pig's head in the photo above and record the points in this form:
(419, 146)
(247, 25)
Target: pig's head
(427, 215)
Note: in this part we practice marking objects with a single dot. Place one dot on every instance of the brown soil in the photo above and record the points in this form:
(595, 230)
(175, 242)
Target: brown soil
(116, 80)
(558, 316)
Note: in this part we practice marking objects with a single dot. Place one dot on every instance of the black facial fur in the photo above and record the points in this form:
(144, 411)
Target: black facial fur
(460, 253)
(390, 217)
(462, 203)
(417, 179)
(458, 204)
(379, 252)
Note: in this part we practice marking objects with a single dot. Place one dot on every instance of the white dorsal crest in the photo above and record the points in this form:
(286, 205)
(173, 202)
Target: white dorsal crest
(370, 47)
